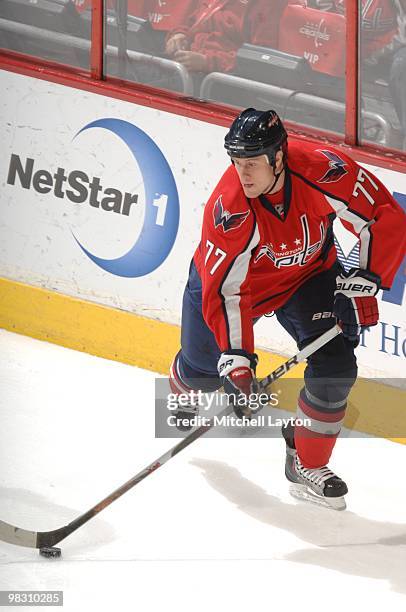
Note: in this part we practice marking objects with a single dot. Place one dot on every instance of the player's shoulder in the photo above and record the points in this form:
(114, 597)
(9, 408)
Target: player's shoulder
(230, 189)
(228, 208)
(325, 166)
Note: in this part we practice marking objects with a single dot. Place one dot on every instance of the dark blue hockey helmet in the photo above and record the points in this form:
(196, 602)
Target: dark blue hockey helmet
(256, 132)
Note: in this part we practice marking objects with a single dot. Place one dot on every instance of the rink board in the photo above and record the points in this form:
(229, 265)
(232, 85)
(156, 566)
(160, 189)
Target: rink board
(374, 408)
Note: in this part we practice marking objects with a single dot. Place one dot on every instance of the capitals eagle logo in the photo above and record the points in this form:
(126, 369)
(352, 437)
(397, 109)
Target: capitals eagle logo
(227, 220)
(336, 169)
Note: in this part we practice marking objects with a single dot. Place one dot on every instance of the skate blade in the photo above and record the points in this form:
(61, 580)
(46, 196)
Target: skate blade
(303, 493)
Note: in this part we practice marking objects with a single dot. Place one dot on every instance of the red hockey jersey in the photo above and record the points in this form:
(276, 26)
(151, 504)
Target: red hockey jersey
(162, 14)
(215, 30)
(379, 21)
(167, 14)
(262, 22)
(251, 259)
(378, 24)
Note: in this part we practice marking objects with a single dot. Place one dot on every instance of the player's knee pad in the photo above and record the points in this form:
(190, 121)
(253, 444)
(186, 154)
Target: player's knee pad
(332, 371)
(184, 378)
(336, 358)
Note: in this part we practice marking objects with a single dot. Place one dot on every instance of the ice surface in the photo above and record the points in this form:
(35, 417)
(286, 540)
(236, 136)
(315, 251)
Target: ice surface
(214, 528)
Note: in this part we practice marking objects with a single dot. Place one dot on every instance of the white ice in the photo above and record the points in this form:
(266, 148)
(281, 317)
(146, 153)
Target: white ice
(213, 528)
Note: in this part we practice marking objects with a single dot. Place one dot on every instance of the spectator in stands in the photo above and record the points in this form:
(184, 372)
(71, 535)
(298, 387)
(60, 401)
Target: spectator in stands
(163, 15)
(397, 82)
(378, 22)
(261, 23)
(383, 45)
(209, 39)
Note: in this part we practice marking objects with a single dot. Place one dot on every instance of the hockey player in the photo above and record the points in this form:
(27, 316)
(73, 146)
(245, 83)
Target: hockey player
(267, 245)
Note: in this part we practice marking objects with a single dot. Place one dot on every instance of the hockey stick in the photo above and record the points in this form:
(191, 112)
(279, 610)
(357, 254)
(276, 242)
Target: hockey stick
(40, 539)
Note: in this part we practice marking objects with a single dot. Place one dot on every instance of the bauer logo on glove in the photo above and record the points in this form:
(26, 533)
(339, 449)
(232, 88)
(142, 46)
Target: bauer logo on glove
(237, 368)
(355, 288)
(355, 304)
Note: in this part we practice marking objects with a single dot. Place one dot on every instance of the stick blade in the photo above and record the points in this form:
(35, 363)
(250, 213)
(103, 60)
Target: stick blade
(32, 539)
(16, 535)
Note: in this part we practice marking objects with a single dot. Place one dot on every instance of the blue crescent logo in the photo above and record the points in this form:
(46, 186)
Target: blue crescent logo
(158, 235)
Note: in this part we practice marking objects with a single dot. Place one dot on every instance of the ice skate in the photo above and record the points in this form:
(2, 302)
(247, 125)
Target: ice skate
(317, 485)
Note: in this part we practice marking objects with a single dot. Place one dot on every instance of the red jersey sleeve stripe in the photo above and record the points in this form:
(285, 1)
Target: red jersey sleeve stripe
(230, 291)
(365, 249)
(343, 212)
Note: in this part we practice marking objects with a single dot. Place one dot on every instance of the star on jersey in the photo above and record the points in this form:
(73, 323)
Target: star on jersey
(336, 169)
(299, 256)
(227, 220)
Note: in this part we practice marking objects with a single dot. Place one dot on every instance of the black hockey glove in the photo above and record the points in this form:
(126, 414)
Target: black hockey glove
(355, 304)
(237, 368)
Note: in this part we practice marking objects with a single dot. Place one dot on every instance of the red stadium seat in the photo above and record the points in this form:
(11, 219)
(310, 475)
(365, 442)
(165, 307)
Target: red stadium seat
(316, 35)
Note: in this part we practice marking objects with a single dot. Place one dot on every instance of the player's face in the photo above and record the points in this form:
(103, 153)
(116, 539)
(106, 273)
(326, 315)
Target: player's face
(255, 173)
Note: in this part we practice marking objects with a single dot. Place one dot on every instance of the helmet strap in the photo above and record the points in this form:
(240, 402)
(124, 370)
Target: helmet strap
(275, 181)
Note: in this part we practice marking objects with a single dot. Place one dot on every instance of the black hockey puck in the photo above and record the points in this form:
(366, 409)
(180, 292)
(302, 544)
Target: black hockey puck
(51, 552)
